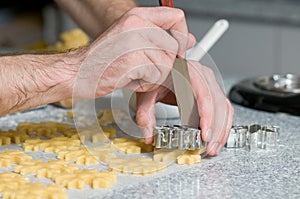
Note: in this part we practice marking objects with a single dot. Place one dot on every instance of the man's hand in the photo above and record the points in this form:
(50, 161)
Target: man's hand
(215, 110)
(136, 52)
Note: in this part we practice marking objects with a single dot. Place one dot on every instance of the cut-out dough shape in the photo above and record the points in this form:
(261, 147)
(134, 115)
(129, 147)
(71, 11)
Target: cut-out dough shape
(78, 154)
(132, 145)
(109, 116)
(181, 157)
(52, 145)
(48, 129)
(91, 133)
(190, 157)
(6, 137)
(82, 178)
(34, 191)
(167, 155)
(45, 169)
(138, 166)
(5, 140)
(10, 180)
(15, 186)
(104, 153)
(81, 155)
(9, 157)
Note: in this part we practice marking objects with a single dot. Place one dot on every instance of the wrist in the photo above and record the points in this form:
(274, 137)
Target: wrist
(61, 76)
(31, 80)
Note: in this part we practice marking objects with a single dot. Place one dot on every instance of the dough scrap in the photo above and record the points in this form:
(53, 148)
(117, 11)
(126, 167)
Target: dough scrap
(138, 166)
(80, 179)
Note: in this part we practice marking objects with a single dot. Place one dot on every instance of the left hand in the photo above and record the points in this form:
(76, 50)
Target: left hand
(214, 108)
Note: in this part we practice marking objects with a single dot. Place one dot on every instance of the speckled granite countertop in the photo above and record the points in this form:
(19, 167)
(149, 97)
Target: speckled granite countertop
(235, 173)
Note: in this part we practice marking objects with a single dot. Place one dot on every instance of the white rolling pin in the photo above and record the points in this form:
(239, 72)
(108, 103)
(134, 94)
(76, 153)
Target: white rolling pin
(208, 41)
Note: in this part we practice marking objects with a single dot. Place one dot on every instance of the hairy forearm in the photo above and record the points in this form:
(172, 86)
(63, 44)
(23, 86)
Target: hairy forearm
(96, 16)
(31, 80)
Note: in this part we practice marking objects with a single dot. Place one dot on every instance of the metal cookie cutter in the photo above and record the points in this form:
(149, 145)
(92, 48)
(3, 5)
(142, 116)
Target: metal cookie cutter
(178, 137)
(253, 137)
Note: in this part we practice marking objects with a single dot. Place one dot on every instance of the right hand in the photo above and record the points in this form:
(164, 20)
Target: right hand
(136, 52)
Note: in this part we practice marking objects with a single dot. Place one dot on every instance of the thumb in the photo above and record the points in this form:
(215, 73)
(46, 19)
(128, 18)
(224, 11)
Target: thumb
(145, 115)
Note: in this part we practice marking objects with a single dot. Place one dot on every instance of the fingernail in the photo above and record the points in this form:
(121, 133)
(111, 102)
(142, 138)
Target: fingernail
(208, 135)
(212, 149)
(147, 132)
(219, 148)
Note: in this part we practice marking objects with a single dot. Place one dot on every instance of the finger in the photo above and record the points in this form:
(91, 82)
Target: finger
(168, 19)
(229, 122)
(212, 106)
(217, 148)
(192, 41)
(228, 127)
(145, 115)
(204, 99)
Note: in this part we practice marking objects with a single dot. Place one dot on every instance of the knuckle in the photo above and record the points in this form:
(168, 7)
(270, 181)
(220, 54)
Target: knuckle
(180, 13)
(133, 19)
(130, 21)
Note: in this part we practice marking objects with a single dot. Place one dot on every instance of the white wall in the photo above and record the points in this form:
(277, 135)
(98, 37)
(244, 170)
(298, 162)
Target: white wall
(249, 48)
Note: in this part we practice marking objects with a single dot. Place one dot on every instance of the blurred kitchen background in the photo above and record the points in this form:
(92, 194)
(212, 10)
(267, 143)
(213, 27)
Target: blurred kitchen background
(263, 38)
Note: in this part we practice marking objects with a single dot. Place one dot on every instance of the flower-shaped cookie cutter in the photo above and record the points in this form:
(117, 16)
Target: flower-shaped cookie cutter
(178, 137)
(253, 137)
